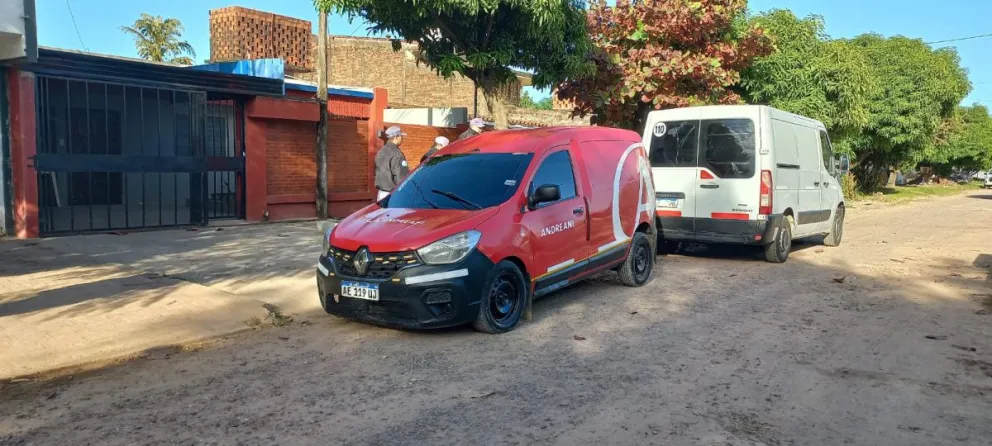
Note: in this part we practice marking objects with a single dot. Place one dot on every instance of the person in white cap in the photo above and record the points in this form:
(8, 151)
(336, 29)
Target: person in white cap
(475, 127)
(390, 163)
(439, 144)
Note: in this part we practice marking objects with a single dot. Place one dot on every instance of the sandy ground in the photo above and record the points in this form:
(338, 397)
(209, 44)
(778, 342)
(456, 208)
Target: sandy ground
(884, 340)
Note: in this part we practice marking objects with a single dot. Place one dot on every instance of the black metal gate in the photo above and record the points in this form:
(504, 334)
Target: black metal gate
(119, 156)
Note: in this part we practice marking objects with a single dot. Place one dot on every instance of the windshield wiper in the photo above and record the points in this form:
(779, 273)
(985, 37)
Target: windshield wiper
(456, 197)
(423, 195)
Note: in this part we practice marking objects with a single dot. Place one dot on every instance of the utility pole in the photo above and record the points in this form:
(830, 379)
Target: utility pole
(322, 123)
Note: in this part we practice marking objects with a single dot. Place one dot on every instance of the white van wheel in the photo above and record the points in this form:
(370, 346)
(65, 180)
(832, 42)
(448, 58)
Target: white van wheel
(778, 251)
(836, 229)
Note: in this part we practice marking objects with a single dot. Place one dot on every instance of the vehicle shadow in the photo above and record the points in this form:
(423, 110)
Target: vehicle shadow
(738, 252)
(981, 197)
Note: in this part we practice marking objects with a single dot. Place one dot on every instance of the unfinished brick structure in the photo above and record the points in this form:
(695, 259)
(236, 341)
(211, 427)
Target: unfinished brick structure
(240, 33)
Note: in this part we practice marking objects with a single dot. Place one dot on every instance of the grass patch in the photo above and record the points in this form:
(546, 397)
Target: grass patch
(909, 193)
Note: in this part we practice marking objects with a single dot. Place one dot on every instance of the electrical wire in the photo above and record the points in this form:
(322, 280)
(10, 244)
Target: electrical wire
(959, 39)
(73, 17)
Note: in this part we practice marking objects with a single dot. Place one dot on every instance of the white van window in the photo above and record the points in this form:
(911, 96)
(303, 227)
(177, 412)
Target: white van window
(828, 152)
(677, 146)
(728, 147)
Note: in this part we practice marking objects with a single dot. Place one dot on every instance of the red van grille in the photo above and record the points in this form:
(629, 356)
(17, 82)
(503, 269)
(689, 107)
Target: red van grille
(384, 265)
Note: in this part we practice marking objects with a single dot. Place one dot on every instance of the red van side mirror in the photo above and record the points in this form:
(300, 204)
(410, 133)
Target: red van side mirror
(544, 193)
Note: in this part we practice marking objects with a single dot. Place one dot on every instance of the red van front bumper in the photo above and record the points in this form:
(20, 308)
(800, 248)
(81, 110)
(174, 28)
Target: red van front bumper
(416, 297)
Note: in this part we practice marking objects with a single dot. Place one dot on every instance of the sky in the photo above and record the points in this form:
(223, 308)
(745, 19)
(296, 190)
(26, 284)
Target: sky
(98, 22)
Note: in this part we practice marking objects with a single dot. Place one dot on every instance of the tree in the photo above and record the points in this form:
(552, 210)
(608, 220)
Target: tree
(656, 54)
(483, 39)
(909, 114)
(808, 74)
(969, 145)
(157, 39)
(526, 101)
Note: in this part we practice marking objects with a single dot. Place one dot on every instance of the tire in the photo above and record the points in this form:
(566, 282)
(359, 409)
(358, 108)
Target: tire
(778, 251)
(836, 233)
(504, 299)
(637, 268)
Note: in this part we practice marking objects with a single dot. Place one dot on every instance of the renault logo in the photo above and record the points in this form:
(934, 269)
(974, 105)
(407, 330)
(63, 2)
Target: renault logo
(362, 261)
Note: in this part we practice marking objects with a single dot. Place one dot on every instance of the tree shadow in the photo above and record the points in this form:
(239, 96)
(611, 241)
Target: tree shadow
(112, 293)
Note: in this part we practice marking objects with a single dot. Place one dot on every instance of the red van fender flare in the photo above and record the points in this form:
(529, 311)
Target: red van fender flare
(645, 207)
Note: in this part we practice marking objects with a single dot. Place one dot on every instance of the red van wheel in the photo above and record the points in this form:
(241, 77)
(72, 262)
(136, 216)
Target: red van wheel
(636, 270)
(503, 299)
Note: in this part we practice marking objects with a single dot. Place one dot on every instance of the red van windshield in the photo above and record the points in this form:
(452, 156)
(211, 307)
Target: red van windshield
(461, 181)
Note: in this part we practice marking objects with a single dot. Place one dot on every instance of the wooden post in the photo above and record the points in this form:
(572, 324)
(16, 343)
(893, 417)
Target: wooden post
(322, 123)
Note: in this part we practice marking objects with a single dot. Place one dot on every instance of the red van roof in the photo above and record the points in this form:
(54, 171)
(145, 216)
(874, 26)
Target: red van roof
(529, 140)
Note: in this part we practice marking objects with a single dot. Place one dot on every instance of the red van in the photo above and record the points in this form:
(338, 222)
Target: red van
(489, 223)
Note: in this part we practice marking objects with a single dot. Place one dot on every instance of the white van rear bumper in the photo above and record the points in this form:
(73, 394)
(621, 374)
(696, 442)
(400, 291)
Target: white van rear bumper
(713, 230)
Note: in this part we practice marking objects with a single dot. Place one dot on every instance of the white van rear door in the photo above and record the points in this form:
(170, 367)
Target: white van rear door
(729, 179)
(672, 149)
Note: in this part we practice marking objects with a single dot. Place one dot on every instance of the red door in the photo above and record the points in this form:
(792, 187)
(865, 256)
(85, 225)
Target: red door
(557, 231)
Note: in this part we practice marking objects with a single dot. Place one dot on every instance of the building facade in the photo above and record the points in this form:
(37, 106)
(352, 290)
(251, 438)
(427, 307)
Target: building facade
(104, 143)
(242, 33)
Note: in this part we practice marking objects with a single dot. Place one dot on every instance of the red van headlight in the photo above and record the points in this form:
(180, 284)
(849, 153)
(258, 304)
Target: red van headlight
(326, 243)
(451, 249)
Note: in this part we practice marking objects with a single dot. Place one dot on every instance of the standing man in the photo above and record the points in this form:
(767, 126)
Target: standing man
(475, 127)
(390, 163)
(439, 143)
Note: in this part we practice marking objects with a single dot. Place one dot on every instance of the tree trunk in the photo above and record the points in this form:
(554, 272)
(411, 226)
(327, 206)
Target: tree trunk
(641, 118)
(321, 149)
(495, 95)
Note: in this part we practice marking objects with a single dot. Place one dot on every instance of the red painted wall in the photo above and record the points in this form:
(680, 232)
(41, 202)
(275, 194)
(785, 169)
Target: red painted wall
(281, 135)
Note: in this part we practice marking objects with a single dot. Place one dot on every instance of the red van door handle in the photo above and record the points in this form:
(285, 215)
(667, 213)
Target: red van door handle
(578, 211)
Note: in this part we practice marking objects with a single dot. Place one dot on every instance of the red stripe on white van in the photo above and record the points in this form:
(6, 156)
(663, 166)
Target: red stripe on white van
(668, 213)
(730, 216)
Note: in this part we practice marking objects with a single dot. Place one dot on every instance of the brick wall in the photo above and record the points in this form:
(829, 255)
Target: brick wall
(370, 62)
(292, 166)
(348, 157)
(419, 140)
(561, 104)
(239, 33)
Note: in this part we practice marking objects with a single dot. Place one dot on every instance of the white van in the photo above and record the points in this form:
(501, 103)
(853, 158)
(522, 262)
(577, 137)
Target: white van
(744, 174)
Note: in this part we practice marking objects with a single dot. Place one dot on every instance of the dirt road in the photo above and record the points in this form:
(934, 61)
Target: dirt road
(885, 340)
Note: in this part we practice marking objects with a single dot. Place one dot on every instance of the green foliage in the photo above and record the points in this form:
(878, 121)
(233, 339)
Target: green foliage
(888, 102)
(920, 90)
(969, 145)
(811, 75)
(662, 54)
(849, 185)
(526, 101)
(483, 39)
(158, 40)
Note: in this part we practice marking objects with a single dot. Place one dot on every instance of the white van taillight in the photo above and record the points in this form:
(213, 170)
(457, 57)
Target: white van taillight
(765, 201)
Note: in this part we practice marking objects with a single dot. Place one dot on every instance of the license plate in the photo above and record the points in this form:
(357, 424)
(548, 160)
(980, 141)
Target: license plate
(360, 290)
(667, 203)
